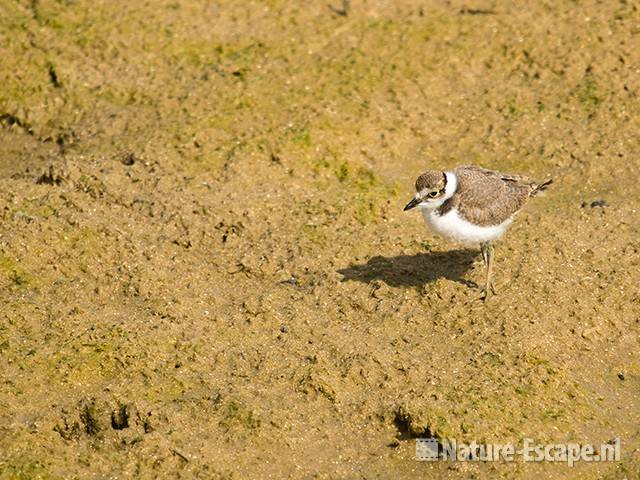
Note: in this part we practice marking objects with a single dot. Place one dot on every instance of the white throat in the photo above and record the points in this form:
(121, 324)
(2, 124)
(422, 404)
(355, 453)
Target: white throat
(452, 185)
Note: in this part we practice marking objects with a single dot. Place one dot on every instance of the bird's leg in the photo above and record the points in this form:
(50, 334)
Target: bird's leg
(483, 250)
(487, 251)
(490, 254)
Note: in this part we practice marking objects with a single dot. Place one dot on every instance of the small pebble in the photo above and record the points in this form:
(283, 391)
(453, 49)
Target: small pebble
(596, 203)
(128, 159)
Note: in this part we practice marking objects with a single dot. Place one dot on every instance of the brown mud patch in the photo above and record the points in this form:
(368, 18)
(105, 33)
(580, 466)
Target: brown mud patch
(205, 270)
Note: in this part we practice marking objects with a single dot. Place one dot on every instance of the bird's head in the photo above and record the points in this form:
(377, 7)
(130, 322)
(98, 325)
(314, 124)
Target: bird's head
(431, 189)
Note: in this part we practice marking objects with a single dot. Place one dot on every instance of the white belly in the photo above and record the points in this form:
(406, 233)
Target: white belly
(453, 227)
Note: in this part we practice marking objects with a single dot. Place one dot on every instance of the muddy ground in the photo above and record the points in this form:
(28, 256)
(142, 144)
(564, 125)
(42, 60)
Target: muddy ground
(205, 270)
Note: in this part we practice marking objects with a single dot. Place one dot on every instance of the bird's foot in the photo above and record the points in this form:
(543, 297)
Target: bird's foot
(486, 292)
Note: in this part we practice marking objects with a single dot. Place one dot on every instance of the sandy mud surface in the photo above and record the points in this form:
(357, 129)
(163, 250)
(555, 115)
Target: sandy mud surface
(205, 270)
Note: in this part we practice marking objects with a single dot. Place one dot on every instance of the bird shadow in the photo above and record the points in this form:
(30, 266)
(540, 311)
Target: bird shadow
(414, 270)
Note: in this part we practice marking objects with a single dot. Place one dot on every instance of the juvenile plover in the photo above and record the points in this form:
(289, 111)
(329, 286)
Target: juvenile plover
(473, 206)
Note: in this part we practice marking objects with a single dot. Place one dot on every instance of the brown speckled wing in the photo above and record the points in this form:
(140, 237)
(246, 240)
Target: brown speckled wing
(485, 197)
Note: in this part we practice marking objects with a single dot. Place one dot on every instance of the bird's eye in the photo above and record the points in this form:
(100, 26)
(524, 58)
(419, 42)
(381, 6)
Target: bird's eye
(433, 194)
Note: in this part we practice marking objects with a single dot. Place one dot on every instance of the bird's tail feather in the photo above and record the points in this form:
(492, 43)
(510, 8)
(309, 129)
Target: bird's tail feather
(539, 188)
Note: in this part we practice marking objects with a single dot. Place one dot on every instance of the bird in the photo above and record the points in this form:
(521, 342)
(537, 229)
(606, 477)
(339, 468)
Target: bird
(473, 206)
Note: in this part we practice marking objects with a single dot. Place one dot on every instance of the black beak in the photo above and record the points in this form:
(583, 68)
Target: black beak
(413, 203)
